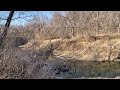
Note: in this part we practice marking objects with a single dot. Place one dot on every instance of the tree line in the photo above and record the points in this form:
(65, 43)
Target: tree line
(65, 24)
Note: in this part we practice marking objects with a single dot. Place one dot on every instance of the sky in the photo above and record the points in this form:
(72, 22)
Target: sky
(23, 21)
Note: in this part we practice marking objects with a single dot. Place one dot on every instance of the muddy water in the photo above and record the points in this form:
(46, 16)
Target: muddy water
(97, 69)
(90, 69)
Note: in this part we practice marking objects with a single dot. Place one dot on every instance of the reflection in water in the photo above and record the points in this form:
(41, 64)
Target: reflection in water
(79, 69)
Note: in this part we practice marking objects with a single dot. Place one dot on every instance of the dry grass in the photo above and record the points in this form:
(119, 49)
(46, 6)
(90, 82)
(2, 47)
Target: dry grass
(92, 48)
(16, 63)
(55, 51)
(83, 48)
(31, 61)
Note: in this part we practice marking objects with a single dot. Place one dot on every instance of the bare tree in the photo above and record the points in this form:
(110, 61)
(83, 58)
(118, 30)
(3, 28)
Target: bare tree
(4, 34)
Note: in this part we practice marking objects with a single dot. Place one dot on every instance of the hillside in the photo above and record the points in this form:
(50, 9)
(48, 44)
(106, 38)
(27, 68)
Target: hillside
(69, 45)
(76, 57)
(87, 48)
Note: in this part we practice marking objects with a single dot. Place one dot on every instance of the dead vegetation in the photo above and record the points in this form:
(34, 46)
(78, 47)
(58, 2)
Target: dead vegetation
(57, 58)
(74, 45)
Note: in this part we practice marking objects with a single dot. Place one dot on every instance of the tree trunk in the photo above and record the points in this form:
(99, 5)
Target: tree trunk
(4, 34)
(98, 22)
(73, 31)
